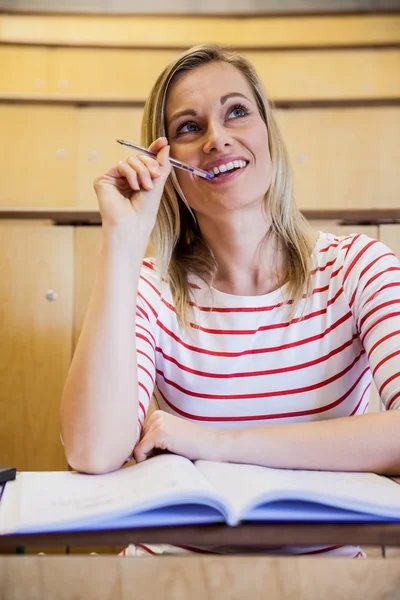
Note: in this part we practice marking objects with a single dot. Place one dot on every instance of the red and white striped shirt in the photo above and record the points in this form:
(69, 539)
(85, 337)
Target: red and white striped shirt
(244, 363)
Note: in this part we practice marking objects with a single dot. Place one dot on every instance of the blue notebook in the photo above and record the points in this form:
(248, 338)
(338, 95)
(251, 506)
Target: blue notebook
(170, 490)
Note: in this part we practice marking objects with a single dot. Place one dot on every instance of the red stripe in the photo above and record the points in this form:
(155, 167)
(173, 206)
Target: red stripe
(147, 356)
(325, 266)
(145, 389)
(357, 258)
(147, 303)
(361, 399)
(308, 388)
(392, 378)
(253, 309)
(388, 270)
(142, 409)
(393, 400)
(316, 313)
(377, 322)
(384, 287)
(153, 339)
(147, 549)
(376, 308)
(142, 312)
(330, 246)
(267, 417)
(149, 265)
(318, 336)
(142, 337)
(366, 269)
(379, 342)
(257, 373)
(384, 360)
(150, 284)
(147, 372)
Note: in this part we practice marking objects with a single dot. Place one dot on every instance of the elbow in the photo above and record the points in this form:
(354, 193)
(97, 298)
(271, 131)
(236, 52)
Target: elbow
(92, 465)
(97, 461)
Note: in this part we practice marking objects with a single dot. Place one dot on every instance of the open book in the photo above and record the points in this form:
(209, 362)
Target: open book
(171, 490)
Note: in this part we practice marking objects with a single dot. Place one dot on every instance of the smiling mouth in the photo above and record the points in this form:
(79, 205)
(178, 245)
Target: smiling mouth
(224, 170)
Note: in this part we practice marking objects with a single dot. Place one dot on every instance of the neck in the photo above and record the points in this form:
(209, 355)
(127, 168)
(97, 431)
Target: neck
(246, 264)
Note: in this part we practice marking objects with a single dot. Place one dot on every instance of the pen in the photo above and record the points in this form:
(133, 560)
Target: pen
(175, 163)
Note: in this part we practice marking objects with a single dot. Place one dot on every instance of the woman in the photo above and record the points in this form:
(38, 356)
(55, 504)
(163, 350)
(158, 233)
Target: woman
(256, 335)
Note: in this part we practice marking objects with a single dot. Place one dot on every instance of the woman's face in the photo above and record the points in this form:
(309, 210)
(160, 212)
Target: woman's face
(213, 123)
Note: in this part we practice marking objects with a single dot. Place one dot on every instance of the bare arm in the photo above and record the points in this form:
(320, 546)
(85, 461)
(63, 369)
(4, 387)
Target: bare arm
(358, 443)
(99, 405)
(99, 408)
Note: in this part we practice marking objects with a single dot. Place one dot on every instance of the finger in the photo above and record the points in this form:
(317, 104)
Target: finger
(144, 448)
(130, 174)
(163, 159)
(152, 165)
(142, 172)
(158, 144)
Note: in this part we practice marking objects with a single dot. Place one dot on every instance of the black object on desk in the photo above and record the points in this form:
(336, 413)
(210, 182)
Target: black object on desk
(7, 474)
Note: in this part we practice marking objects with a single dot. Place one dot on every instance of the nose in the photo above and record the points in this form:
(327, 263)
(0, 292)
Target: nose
(217, 139)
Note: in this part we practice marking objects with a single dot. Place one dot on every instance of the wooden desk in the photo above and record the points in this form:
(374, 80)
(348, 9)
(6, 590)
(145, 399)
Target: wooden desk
(244, 536)
(197, 577)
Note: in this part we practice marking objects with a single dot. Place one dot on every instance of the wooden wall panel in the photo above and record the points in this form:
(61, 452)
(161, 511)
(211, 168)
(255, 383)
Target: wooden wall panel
(38, 155)
(35, 349)
(112, 73)
(344, 158)
(97, 149)
(349, 161)
(185, 31)
(22, 70)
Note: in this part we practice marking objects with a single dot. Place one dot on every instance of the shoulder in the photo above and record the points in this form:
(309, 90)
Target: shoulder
(354, 251)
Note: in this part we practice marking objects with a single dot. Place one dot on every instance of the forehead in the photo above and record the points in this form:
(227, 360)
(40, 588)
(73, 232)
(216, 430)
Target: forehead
(206, 84)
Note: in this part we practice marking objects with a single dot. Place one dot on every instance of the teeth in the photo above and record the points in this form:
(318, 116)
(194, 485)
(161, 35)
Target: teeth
(235, 164)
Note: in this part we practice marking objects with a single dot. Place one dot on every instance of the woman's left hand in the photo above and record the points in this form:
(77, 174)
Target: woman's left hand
(167, 432)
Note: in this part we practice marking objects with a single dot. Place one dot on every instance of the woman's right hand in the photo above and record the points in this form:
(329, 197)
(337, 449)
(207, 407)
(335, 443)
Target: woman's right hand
(129, 194)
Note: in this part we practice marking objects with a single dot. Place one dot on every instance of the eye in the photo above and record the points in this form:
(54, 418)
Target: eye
(187, 127)
(238, 111)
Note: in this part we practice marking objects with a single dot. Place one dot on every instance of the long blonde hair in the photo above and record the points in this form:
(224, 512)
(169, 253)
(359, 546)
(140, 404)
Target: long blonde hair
(176, 238)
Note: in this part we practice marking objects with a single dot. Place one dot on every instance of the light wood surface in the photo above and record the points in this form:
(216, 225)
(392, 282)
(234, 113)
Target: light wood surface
(35, 350)
(129, 73)
(153, 30)
(63, 149)
(344, 158)
(97, 149)
(38, 155)
(198, 577)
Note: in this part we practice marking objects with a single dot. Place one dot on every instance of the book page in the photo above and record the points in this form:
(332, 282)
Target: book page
(46, 498)
(246, 486)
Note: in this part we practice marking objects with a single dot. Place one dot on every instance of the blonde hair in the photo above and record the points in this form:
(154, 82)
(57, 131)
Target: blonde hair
(176, 237)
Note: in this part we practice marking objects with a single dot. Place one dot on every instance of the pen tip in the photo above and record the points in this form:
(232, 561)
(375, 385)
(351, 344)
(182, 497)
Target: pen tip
(119, 141)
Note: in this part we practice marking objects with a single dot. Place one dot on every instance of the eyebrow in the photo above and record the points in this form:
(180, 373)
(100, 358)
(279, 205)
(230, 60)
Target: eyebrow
(193, 113)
